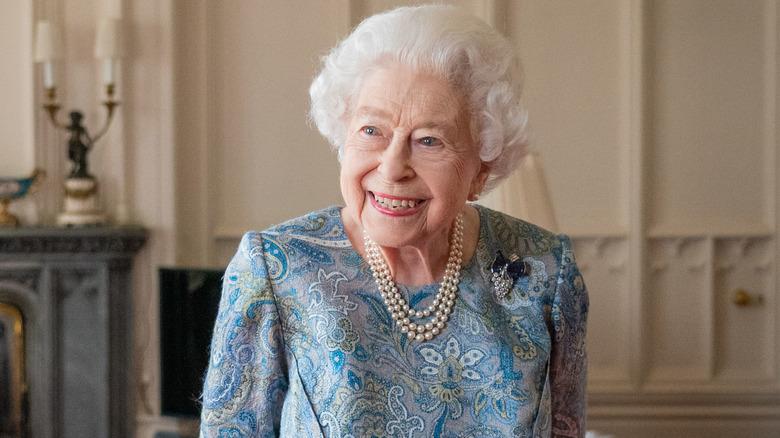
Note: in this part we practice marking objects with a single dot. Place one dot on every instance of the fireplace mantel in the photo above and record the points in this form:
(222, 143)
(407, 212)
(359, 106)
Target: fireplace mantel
(47, 241)
(72, 286)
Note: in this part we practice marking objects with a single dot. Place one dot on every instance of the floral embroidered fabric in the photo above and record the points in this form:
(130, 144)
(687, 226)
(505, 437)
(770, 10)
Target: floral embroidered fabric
(304, 347)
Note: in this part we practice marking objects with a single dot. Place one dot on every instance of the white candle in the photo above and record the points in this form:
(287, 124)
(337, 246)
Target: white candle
(47, 49)
(108, 71)
(108, 46)
(48, 74)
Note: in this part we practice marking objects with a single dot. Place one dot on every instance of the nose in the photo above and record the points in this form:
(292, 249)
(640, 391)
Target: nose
(395, 160)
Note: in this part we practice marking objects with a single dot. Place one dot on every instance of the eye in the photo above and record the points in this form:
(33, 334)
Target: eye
(370, 130)
(430, 141)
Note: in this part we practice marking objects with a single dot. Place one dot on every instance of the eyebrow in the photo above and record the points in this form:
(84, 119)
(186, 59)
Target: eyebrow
(434, 123)
(373, 111)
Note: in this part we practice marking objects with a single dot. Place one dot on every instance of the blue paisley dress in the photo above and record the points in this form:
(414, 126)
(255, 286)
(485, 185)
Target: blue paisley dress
(304, 347)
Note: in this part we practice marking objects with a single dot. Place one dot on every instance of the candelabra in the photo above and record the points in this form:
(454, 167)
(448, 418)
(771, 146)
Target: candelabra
(81, 203)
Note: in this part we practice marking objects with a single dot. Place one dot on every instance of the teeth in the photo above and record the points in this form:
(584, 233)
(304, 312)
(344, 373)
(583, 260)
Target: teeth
(395, 204)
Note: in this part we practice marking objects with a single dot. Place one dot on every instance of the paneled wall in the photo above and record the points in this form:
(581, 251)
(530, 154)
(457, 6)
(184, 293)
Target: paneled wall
(257, 161)
(656, 122)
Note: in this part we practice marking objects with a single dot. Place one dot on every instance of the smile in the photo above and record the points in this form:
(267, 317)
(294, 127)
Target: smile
(394, 203)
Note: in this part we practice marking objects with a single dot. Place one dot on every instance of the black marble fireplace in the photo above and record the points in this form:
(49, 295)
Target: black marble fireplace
(69, 290)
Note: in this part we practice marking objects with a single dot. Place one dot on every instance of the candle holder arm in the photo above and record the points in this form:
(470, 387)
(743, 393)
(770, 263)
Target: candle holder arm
(110, 104)
(52, 107)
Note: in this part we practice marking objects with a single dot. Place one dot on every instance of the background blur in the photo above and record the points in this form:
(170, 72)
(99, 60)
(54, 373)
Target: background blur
(657, 127)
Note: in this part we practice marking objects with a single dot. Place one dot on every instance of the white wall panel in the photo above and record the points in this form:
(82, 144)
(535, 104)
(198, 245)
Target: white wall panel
(745, 351)
(17, 139)
(679, 306)
(707, 100)
(16, 70)
(270, 164)
(576, 60)
(489, 10)
(148, 109)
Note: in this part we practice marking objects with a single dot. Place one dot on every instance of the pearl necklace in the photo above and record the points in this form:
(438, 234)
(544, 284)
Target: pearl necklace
(399, 309)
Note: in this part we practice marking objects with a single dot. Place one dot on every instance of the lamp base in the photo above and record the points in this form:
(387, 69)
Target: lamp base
(81, 207)
(80, 219)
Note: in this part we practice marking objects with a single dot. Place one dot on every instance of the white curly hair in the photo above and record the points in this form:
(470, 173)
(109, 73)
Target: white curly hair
(477, 60)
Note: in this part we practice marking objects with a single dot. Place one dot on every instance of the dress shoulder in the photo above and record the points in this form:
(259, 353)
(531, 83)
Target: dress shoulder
(294, 247)
(509, 233)
(324, 222)
(317, 222)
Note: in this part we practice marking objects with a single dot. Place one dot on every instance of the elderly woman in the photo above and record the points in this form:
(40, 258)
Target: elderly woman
(409, 312)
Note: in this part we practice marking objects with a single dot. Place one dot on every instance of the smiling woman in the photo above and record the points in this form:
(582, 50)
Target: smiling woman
(409, 141)
(409, 311)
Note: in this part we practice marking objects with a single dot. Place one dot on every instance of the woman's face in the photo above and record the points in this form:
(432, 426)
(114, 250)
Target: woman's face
(409, 163)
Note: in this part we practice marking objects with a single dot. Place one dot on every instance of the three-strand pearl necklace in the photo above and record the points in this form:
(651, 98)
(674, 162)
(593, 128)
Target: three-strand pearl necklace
(399, 309)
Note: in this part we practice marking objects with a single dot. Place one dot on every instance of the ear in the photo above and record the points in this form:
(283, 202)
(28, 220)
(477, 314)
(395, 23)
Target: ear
(478, 183)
